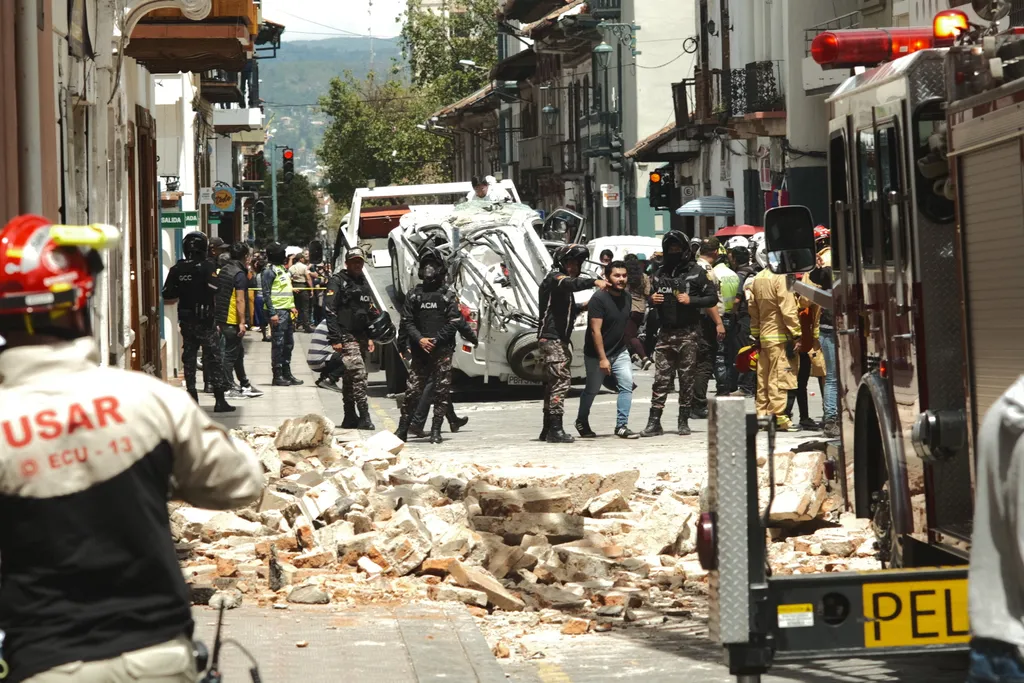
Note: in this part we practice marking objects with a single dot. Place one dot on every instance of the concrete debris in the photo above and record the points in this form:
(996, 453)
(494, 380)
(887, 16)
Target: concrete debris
(343, 520)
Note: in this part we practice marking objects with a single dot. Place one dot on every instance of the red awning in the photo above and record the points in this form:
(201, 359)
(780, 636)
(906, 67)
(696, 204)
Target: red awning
(739, 230)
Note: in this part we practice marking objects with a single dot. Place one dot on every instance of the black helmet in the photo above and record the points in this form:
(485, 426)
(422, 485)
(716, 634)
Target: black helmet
(195, 245)
(570, 252)
(276, 253)
(382, 329)
(675, 237)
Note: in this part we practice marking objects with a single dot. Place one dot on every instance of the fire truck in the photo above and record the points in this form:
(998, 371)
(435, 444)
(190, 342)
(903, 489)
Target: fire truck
(926, 177)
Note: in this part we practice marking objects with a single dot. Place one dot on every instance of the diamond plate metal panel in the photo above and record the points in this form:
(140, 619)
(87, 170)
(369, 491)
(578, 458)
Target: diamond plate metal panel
(729, 498)
(928, 78)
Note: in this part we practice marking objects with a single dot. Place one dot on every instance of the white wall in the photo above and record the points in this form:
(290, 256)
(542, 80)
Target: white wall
(223, 151)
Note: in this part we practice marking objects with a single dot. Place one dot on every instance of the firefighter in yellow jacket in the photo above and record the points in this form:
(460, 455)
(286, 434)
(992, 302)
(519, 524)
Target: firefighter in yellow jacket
(775, 327)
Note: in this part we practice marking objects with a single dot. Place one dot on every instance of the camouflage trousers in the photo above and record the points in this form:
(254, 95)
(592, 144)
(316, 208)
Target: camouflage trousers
(353, 351)
(196, 334)
(434, 369)
(559, 377)
(675, 352)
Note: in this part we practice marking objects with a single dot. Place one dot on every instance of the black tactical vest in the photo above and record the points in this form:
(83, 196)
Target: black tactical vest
(355, 302)
(191, 280)
(430, 309)
(682, 280)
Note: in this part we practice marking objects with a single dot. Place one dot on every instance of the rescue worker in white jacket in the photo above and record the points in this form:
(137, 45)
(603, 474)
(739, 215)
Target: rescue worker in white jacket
(996, 578)
(90, 587)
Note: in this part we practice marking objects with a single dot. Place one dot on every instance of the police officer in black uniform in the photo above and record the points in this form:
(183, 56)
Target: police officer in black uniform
(558, 311)
(192, 283)
(429, 317)
(349, 309)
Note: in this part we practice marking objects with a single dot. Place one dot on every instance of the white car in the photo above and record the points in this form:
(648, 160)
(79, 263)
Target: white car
(497, 262)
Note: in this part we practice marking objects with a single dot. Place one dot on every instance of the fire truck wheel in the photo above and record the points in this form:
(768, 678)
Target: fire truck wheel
(888, 543)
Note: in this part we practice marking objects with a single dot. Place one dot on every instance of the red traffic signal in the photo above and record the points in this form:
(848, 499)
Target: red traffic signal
(289, 154)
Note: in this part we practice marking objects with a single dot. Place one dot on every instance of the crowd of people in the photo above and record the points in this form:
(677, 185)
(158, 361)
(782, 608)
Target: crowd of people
(697, 309)
(224, 291)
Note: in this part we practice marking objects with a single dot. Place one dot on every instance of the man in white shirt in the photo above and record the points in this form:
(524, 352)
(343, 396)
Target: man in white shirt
(302, 284)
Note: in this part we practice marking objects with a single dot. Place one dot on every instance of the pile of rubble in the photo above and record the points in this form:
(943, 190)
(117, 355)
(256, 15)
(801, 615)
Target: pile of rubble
(344, 521)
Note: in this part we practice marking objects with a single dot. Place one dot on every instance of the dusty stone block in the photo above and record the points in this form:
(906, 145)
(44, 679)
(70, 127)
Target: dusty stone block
(478, 579)
(530, 499)
(303, 432)
(313, 559)
(665, 528)
(609, 501)
(469, 596)
(576, 627)
(556, 526)
(309, 595)
(386, 442)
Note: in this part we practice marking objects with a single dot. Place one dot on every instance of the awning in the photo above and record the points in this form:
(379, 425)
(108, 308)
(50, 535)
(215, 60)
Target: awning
(739, 231)
(478, 99)
(518, 67)
(708, 206)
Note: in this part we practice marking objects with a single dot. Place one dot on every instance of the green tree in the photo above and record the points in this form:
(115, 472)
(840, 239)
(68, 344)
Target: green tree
(433, 43)
(297, 212)
(372, 133)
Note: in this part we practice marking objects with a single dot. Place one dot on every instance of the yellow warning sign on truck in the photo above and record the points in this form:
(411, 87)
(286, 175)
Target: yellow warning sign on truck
(915, 613)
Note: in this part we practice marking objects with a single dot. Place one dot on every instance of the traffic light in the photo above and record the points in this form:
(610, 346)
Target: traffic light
(659, 192)
(288, 165)
(615, 161)
(259, 212)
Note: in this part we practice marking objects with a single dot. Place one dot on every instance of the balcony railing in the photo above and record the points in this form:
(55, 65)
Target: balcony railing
(851, 20)
(605, 9)
(757, 88)
(253, 168)
(595, 133)
(709, 95)
(537, 153)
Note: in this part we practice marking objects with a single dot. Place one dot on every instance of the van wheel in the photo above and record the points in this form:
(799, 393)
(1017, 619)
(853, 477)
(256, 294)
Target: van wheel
(524, 355)
(394, 370)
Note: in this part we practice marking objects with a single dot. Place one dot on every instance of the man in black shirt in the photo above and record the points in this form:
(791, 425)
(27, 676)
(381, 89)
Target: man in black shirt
(232, 302)
(558, 313)
(605, 352)
(191, 283)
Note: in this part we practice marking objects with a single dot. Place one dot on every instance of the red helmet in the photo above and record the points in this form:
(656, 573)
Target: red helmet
(46, 268)
(746, 359)
(821, 233)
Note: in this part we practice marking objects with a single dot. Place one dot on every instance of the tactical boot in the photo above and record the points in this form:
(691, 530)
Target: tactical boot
(683, 426)
(279, 380)
(193, 393)
(435, 430)
(364, 416)
(544, 430)
(221, 406)
(700, 412)
(653, 427)
(555, 432)
(350, 420)
(455, 423)
(286, 372)
(403, 427)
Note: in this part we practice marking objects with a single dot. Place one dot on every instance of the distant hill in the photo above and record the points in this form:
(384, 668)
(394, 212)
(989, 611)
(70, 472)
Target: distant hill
(301, 73)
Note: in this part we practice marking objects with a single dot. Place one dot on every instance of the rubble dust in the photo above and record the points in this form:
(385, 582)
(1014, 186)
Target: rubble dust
(536, 553)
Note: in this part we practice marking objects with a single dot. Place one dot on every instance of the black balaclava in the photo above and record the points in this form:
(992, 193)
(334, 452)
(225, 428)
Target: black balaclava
(674, 260)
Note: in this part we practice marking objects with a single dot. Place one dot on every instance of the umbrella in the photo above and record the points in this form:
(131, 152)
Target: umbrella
(708, 206)
(739, 230)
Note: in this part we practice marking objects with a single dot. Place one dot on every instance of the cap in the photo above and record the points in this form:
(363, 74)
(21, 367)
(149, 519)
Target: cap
(355, 253)
(216, 243)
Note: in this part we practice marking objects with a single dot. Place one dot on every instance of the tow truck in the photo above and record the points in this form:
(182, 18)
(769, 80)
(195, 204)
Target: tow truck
(925, 179)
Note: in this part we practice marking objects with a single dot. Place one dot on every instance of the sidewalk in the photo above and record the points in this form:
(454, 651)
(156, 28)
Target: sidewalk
(377, 644)
(280, 403)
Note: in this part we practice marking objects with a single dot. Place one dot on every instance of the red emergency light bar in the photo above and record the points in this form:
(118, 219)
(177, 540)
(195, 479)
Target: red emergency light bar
(869, 46)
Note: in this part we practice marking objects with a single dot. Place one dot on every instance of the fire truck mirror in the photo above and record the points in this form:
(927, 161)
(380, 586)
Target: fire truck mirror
(789, 239)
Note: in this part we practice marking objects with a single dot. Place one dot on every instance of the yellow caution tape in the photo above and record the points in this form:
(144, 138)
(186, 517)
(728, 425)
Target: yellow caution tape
(4, 669)
(95, 235)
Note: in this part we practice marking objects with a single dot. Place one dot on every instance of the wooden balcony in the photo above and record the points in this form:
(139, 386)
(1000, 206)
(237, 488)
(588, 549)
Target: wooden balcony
(165, 41)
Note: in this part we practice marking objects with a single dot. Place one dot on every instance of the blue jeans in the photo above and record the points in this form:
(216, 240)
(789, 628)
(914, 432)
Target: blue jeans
(830, 395)
(994, 662)
(622, 371)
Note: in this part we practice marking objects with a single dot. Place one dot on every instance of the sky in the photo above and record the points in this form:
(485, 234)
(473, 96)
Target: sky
(319, 19)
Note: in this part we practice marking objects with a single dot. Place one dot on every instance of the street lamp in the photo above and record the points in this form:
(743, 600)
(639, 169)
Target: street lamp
(470, 64)
(550, 115)
(603, 54)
